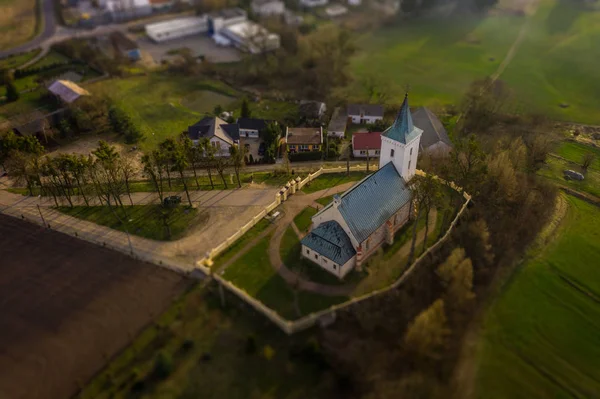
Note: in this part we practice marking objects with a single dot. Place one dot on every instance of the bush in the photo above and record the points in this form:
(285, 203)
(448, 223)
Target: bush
(250, 344)
(187, 345)
(306, 156)
(163, 366)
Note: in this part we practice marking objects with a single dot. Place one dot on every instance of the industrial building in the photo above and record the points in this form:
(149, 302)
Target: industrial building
(218, 20)
(177, 28)
(251, 37)
(124, 10)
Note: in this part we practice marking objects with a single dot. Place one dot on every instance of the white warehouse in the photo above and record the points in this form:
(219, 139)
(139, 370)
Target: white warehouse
(251, 37)
(177, 28)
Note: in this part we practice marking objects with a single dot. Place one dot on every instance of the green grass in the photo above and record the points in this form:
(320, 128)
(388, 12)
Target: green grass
(142, 220)
(231, 372)
(325, 200)
(17, 60)
(52, 57)
(553, 170)
(253, 273)
(555, 63)
(164, 105)
(328, 180)
(541, 338)
(303, 219)
(574, 152)
(240, 243)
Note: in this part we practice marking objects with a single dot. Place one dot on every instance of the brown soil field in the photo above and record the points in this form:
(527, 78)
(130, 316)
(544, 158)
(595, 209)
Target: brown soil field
(68, 306)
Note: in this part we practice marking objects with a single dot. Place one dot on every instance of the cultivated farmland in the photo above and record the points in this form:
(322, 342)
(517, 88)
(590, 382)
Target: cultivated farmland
(67, 307)
(541, 338)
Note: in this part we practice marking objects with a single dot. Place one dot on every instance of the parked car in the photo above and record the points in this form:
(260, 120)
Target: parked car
(572, 175)
(172, 201)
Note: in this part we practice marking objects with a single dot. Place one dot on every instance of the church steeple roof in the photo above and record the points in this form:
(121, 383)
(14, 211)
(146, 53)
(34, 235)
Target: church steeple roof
(403, 129)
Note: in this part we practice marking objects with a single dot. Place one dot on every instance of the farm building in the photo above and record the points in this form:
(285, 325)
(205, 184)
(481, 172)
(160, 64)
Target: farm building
(67, 91)
(365, 113)
(304, 139)
(177, 28)
(221, 135)
(337, 124)
(218, 20)
(355, 224)
(251, 37)
(267, 8)
(435, 139)
(363, 142)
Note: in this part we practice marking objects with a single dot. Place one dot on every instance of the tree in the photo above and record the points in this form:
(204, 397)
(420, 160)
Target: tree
(208, 159)
(193, 155)
(12, 94)
(221, 163)
(79, 168)
(467, 164)
(238, 155)
(427, 334)
(180, 163)
(587, 160)
(456, 274)
(128, 170)
(271, 136)
(245, 111)
(154, 169)
(64, 127)
(425, 193)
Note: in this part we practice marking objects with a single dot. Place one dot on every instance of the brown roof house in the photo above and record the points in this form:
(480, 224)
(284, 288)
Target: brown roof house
(304, 139)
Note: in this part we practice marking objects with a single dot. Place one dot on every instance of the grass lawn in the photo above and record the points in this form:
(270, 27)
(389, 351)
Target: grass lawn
(303, 219)
(554, 168)
(253, 273)
(52, 57)
(208, 347)
(325, 200)
(164, 105)
(17, 22)
(27, 102)
(328, 180)
(574, 152)
(144, 220)
(17, 60)
(545, 325)
(240, 243)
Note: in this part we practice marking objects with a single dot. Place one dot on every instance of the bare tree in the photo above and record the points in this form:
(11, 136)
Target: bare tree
(153, 168)
(587, 160)
(238, 155)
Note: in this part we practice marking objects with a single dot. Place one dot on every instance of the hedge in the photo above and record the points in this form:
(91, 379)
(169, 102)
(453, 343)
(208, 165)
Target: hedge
(306, 156)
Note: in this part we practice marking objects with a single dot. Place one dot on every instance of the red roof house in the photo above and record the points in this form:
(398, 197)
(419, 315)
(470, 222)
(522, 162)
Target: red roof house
(361, 142)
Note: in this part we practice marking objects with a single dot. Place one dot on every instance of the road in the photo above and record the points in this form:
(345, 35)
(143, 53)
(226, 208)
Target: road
(49, 21)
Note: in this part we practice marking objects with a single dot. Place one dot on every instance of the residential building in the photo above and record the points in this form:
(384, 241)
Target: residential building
(309, 109)
(251, 127)
(67, 91)
(366, 141)
(266, 8)
(304, 139)
(125, 46)
(221, 135)
(337, 124)
(355, 224)
(217, 20)
(177, 28)
(365, 113)
(251, 37)
(313, 3)
(336, 10)
(435, 139)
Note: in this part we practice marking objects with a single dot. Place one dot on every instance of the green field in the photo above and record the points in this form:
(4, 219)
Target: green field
(143, 220)
(240, 243)
(164, 105)
(574, 152)
(541, 338)
(555, 63)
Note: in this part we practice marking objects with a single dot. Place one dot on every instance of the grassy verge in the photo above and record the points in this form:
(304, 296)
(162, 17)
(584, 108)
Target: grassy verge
(253, 273)
(328, 180)
(215, 353)
(17, 60)
(325, 200)
(545, 323)
(240, 243)
(303, 219)
(143, 220)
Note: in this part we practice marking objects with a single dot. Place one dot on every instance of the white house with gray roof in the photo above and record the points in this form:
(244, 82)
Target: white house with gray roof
(365, 113)
(356, 223)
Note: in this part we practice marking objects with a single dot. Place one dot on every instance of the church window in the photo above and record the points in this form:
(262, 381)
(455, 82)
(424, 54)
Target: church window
(392, 153)
(334, 267)
(411, 151)
(316, 257)
(308, 252)
(409, 164)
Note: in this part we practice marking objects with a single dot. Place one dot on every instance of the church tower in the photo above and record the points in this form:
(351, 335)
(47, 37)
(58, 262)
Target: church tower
(400, 143)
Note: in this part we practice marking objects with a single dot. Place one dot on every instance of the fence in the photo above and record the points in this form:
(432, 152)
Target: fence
(291, 327)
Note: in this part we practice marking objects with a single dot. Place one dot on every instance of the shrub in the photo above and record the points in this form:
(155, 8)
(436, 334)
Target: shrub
(187, 345)
(306, 156)
(163, 366)
(250, 344)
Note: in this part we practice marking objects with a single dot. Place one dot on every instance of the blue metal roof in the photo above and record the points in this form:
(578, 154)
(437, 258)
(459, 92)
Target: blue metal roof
(331, 241)
(372, 201)
(403, 129)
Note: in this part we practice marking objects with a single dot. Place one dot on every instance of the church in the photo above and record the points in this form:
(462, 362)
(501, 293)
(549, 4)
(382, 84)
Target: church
(356, 223)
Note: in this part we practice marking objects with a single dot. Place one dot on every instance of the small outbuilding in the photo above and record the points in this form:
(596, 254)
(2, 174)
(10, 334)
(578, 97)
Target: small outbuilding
(337, 124)
(67, 91)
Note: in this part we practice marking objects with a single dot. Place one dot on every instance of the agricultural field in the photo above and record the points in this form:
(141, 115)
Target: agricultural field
(17, 22)
(68, 307)
(553, 70)
(545, 322)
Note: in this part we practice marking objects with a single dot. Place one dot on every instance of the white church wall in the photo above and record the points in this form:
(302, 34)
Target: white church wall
(327, 264)
(404, 160)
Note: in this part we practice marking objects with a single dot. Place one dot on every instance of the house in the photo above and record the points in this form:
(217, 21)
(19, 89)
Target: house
(356, 223)
(251, 37)
(304, 139)
(252, 127)
(177, 28)
(363, 142)
(217, 20)
(67, 91)
(313, 3)
(335, 10)
(125, 46)
(365, 113)
(266, 8)
(312, 109)
(220, 134)
(337, 124)
(435, 139)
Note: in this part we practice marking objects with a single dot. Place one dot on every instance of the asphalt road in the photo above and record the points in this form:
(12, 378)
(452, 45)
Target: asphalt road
(47, 33)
